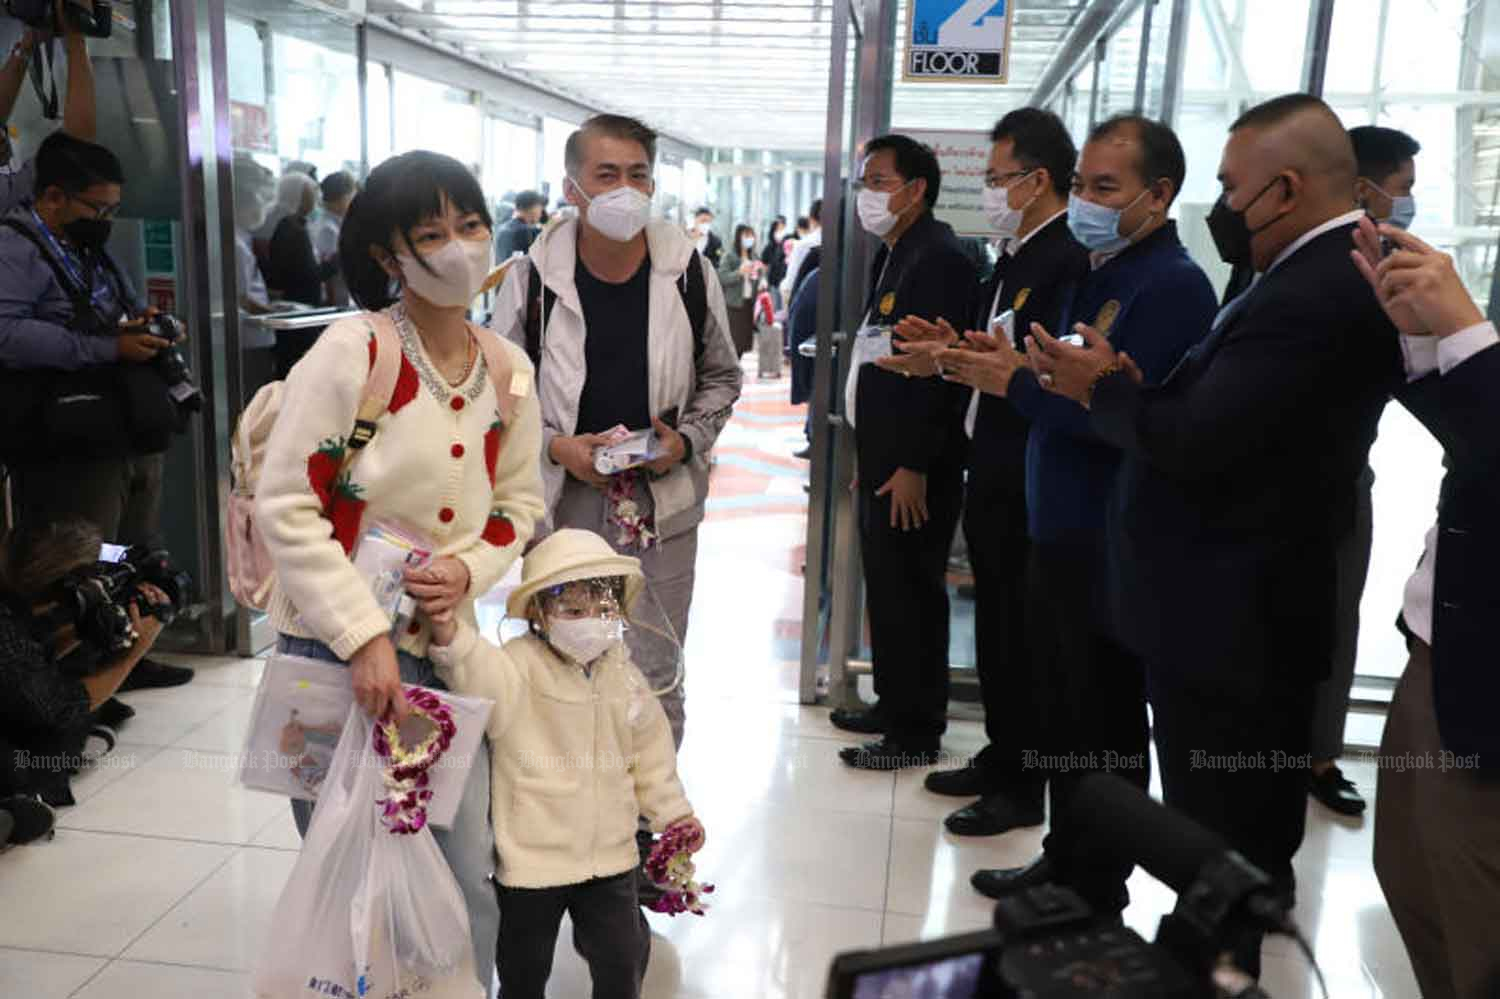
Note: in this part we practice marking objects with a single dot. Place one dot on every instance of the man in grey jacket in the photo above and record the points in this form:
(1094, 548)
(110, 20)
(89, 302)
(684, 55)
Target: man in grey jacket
(625, 321)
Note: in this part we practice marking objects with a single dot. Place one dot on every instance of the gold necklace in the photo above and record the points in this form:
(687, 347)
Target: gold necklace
(470, 355)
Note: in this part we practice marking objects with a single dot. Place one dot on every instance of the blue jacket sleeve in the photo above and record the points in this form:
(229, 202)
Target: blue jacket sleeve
(1048, 409)
(1461, 409)
(28, 342)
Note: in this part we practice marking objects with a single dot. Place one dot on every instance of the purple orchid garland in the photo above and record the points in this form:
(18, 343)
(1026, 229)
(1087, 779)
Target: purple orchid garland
(670, 867)
(403, 809)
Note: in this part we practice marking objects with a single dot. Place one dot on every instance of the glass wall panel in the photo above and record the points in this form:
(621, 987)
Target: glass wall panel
(317, 105)
(378, 108)
(510, 159)
(555, 134)
(431, 115)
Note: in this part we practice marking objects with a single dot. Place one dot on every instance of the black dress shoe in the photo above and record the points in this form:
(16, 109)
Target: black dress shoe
(866, 721)
(150, 673)
(965, 782)
(1336, 791)
(887, 754)
(1002, 881)
(24, 820)
(113, 713)
(803, 453)
(994, 814)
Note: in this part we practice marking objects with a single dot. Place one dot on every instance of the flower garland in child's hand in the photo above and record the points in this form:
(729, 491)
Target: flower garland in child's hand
(403, 809)
(670, 867)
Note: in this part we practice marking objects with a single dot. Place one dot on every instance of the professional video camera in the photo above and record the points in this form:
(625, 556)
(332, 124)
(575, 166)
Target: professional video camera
(42, 16)
(95, 599)
(1048, 944)
(172, 365)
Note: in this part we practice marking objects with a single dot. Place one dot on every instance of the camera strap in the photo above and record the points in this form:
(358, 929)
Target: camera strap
(41, 77)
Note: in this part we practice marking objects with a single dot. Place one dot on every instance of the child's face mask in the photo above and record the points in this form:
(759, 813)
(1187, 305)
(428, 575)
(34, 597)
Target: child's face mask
(583, 620)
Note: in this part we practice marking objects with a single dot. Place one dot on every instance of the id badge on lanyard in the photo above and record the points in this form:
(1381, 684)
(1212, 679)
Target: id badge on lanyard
(871, 342)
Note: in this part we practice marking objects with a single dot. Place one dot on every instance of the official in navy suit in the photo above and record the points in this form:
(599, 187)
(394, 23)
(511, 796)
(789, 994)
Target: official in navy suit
(1240, 480)
(1437, 828)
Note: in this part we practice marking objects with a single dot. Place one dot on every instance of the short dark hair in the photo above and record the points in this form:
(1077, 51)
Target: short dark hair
(75, 165)
(616, 126)
(914, 161)
(815, 211)
(337, 185)
(400, 194)
(1381, 151)
(802, 222)
(528, 200)
(1161, 152)
(1039, 140)
(703, 210)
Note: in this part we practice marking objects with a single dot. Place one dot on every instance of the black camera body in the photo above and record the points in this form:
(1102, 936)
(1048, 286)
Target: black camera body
(97, 598)
(42, 15)
(172, 365)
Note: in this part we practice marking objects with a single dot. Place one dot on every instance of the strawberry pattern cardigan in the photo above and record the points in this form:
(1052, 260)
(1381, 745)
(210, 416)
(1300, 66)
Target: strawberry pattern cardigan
(441, 464)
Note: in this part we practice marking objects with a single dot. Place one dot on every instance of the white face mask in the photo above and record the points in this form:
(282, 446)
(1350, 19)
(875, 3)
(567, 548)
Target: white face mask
(584, 639)
(617, 215)
(1003, 219)
(874, 208)
(748, 242)
(457, 272)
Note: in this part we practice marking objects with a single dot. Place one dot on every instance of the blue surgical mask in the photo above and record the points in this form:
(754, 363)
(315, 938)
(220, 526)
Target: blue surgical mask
(1403, 211)
(1097, 226)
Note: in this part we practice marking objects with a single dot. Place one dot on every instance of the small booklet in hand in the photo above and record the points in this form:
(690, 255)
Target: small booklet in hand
(626, 450)
(384, 555)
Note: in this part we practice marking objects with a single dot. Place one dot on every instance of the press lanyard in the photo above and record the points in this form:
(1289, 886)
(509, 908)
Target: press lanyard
(98, 296)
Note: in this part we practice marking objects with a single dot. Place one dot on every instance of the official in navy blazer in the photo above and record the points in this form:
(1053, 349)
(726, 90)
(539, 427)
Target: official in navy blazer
(1239, 481)
(1437, 827)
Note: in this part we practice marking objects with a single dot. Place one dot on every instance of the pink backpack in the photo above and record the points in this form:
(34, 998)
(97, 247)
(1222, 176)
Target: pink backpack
(252, 574)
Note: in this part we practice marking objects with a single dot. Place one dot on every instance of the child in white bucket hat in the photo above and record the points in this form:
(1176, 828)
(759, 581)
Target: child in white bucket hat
(580, 749)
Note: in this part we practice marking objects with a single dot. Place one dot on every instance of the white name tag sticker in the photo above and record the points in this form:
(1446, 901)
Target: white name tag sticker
(520, 384)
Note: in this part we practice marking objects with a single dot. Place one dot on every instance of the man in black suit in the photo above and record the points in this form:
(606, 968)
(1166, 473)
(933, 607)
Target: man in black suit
(1437, 826)
(909, 448)
(1027, 180)
(1239, 482)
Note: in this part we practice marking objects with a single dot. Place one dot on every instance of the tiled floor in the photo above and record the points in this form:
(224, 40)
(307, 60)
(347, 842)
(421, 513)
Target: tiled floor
(161, 881)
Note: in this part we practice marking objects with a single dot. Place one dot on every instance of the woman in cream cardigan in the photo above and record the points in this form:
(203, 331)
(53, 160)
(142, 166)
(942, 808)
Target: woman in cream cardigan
(442, 463)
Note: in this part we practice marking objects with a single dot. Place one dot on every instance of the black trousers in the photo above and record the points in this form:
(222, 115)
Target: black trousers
(906, 597)
(1092, 701)
(119, 496)
(1008, 682)
(609, 932)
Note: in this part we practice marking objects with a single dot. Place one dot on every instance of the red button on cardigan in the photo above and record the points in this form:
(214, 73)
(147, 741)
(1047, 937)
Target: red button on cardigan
(457, 403)
(446, 514)
(458, 450)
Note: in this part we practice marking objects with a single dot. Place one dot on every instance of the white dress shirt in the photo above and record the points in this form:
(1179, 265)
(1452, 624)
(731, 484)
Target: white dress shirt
(1425, 354)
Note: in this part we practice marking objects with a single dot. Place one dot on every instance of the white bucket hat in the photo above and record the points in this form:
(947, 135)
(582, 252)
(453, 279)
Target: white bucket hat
(568, 556)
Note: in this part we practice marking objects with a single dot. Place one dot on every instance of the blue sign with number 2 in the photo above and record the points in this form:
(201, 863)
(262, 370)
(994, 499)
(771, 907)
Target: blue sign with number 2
(958, 24)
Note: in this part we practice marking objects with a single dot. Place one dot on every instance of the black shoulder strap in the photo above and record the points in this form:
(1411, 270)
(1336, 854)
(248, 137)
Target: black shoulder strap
(82, 304)
(695, 299)
(538, 309)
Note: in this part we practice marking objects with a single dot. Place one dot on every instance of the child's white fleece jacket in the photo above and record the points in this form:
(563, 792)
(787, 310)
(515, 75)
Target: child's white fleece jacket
(576, 758)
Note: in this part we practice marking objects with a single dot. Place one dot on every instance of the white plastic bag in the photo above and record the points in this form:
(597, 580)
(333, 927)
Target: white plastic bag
(366, 912)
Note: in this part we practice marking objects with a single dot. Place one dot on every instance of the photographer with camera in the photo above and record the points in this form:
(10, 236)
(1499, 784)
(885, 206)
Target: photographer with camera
(72, 629)
(92, 385)
(18, 180)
